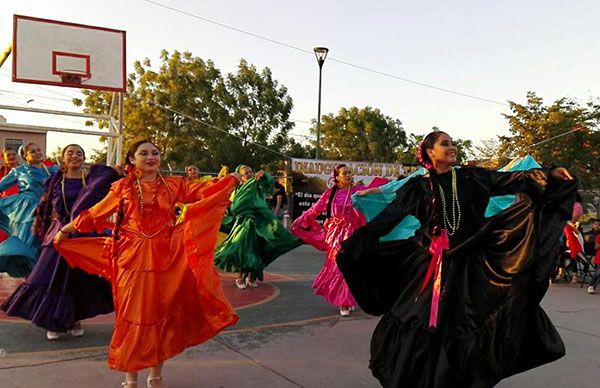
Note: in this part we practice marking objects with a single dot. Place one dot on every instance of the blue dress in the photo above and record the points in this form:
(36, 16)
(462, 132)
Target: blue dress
(19, 252)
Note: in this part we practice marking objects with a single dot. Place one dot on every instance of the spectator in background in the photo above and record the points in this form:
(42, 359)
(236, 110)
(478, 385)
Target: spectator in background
(589, 238)
(279, 201)
(573, 242)
(191, 172)
(592, 247)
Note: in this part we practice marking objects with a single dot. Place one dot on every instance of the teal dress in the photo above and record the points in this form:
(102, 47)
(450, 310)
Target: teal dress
(255, 236)
(19, 252)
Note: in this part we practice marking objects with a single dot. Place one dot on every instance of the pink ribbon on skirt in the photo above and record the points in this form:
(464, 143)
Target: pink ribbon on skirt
(439, 243)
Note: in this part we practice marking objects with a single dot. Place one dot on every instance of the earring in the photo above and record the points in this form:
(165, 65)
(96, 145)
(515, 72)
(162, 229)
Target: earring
(138, 173)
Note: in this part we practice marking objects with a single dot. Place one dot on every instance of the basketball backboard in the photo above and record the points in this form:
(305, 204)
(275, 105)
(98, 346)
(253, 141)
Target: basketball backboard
(60, 53)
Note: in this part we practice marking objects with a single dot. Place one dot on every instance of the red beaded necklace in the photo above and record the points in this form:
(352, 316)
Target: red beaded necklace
(141, 204)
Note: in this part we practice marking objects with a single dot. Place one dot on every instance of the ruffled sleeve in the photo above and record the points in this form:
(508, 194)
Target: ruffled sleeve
(97, 217)
(405, 204)
(9, 179)
(553, 200)
(308, 228)
(531, 182)
(266, 184)
(196, 191)
(363, 255)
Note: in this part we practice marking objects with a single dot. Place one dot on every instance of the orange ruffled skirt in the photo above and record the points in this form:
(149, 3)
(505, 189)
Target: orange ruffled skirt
(159, 313)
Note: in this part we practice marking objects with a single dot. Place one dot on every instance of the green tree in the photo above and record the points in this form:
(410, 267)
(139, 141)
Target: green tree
(361, 134)
(218, 117)
(535, 122)
(487, 154)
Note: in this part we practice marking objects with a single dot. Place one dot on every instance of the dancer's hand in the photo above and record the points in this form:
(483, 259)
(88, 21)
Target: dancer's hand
(119, 170)
(259, 175)
(561, 173)
(63, 233)
(59, 236)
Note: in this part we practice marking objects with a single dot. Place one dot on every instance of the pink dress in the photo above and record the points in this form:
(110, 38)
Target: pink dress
(344, 220)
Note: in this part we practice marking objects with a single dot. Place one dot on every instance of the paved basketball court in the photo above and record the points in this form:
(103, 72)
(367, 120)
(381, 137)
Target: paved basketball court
(286, 337)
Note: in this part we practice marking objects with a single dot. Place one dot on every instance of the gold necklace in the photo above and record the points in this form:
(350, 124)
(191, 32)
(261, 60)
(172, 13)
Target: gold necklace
(141, 204)
(64, 197)
(46, 169)
(451, 227)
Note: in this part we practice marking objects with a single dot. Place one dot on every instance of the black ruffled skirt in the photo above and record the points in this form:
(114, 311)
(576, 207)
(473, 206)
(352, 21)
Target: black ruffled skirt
(490, 324)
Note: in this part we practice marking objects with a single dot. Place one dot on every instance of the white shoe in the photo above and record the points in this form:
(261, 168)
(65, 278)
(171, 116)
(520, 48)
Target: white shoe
(51, 335)
(591, 290)
(76, 331)
(344, 311)
(150, 379)
(252, 284)
(240, 283)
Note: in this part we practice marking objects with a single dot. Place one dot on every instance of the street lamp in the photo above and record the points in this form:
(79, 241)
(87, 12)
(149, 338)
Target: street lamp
(321, 54)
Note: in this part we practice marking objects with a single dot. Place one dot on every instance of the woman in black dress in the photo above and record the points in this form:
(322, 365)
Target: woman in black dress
(460, 299)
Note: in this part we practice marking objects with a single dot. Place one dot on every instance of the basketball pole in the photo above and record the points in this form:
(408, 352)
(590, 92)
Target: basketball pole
(5, 54)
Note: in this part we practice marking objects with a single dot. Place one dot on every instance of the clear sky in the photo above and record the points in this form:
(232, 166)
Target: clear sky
(495, 50)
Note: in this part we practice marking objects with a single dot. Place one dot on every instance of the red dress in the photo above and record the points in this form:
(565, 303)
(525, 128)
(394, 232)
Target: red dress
(166, 292)
(12, 189)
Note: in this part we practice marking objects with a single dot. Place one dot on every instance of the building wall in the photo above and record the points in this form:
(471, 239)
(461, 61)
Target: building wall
(10, 138)
(14, 139)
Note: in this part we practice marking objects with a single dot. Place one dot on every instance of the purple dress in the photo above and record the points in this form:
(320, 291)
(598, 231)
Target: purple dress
(344, 220)
(54, 296)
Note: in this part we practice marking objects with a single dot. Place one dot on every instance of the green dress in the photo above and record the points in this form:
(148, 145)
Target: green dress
(255, 237)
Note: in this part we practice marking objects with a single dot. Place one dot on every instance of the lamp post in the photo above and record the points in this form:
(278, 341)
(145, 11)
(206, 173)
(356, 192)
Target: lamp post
(321, 54)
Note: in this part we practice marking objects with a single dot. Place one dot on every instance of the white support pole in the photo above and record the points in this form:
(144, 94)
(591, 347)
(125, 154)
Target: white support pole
(120, 128)
(38, 128)
(110, 149)
(53, 112)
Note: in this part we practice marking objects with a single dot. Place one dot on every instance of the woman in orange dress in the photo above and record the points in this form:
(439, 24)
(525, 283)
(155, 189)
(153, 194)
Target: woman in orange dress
(166, 292)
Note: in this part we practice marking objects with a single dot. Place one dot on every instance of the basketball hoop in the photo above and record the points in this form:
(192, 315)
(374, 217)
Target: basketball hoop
(60, 53)
(73, 78)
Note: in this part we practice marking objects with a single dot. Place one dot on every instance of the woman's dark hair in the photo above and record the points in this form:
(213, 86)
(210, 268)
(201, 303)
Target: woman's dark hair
(72, 145)
(134, 147)
(427, 143)
(335, 173)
